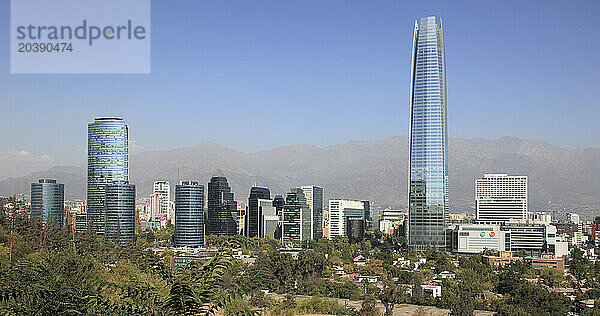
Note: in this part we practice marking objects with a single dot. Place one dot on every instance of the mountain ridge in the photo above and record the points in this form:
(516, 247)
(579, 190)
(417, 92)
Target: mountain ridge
(373, 169)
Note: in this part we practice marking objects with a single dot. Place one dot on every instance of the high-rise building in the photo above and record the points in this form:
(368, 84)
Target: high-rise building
(368, 206)
(428, 138)
(296, 216)
(253, 212)
(278, 203)
(107, 161)
(314, 199)
(119, 207)
(222, 208)
(161, 194)
(48, 202)
(500, 197)
(339, 213)
(189, 214)
(355, 229)
(270, 222)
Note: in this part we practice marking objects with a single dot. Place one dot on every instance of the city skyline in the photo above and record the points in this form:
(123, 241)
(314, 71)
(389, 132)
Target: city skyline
(513, 85)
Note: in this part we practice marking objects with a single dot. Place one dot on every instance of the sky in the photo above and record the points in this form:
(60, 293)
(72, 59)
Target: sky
(255, 75)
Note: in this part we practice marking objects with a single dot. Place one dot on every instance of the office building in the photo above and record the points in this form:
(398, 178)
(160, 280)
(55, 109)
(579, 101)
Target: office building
(161, 206)
(254, 213)
(339, 212)
(535, 238)
(428, 138)
(296, 216)
(314, 199)
(189, 214)
(355, 229)
(278, 203)
(270, 222)
(500, 198)
(48, 202)
(119, 225)
(81, 222)
(107, 161)
(222, 208)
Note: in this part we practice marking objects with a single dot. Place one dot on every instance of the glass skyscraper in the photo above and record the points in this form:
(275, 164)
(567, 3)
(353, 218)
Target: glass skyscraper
(253, 212)
(314, 199)
(48, 202)
(189, 214)
(119, 224)
(108, 161)
(296, 216)
(428, 138)
(222, 208)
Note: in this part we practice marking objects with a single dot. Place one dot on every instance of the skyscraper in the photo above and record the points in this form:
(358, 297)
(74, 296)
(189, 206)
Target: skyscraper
(314, 199)
(107, 161)
(48, 202)
(428, 138)
(222, 208)
(296, 216)
(119, 207)
(253, 212)
(500, 198)
(189, 214)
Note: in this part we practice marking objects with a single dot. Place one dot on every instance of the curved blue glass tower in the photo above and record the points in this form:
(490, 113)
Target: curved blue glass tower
(119, 224)
(189, 214)
(48, 202)
(108, 161)
(428, 138)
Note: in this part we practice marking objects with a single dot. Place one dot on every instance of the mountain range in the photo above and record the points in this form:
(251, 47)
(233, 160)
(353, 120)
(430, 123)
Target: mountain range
(374, 170)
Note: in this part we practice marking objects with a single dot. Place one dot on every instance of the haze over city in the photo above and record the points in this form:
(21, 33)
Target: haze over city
(255, 76)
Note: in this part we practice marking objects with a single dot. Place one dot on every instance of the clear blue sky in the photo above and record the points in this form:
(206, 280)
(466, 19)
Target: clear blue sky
(253, 75)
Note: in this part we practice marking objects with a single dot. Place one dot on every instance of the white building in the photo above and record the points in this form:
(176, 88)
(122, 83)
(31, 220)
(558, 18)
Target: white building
(161, 202)
(269, 220)
(500, 197)
(544, 217)
(536, 238)
(339, 211)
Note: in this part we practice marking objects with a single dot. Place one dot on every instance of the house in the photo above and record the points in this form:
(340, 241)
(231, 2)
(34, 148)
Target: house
(447, 275)
(368, 278)
(433, 290)
(360, 260)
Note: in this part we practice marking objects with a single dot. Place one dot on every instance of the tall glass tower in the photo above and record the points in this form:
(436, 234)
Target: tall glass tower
(47, 202)
(119, 219)
(428, 138)
(222, 208)
(189, 214)
(108, 161)
(253, 212)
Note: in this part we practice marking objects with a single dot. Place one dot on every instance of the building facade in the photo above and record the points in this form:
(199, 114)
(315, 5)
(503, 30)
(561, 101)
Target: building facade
(428, 138)
(253, 212)
(119, 224)
(107, 161)
(222, 208)
(296, 216)
(189, 214)
(161, 206)
(314, 199)
(339, 213)
(48, 202)
(500, 198)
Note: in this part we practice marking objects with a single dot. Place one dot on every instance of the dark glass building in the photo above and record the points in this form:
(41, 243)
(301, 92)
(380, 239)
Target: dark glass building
(253, 212)
(48, 202)
(368, 215)
(107, 161)
(355, 229)
(278, 203)
(222, 208)
(189, 214)
(119, 225)
(296, 216)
